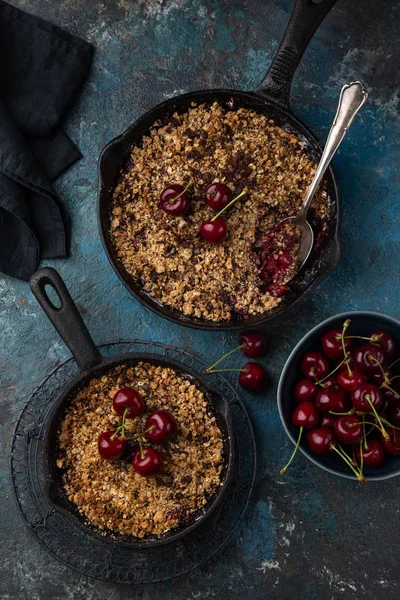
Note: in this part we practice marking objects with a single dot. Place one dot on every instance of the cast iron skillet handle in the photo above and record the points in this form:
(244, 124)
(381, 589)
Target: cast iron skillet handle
(65, 318)
(306, 17)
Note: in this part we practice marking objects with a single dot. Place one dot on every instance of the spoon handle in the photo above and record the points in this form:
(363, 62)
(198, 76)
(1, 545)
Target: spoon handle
(352, 97)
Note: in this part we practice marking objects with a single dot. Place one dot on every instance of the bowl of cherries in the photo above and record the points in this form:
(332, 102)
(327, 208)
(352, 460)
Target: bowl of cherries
(339, 396)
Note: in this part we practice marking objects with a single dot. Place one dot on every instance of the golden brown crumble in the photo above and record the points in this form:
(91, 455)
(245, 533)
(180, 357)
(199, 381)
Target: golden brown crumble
(111, 495)
(165, 254)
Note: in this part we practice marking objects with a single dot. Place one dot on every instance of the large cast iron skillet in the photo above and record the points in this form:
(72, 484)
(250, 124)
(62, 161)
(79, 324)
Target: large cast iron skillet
(66, 319)
(271, 97)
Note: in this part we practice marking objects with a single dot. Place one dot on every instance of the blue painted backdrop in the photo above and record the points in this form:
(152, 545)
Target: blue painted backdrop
(311, 535)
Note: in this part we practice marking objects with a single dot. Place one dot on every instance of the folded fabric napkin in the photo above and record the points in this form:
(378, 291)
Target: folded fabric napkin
(42, 69)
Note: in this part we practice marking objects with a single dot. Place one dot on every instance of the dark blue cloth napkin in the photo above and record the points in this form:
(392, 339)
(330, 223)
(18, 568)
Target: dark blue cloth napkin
(42, 69)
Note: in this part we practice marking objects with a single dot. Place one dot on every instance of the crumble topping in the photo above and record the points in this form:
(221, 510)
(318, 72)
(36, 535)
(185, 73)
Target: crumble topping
(165, 254)
(111, 495)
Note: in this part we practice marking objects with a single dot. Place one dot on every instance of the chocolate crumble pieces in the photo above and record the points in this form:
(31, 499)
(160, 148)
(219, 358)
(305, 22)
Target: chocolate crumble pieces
(241, 148)
(111, 495)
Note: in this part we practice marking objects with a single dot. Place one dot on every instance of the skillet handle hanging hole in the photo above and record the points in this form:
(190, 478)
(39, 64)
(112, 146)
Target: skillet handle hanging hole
(306, 17)
(51, 292)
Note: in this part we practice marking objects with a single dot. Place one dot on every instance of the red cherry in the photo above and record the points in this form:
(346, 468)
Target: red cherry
(305, 390)
(349, 382)
(254, 377)
(331, 381)
(151, 463)
(359, 397)
(367, 357)
(218, 196)
(386, 342)
(171, 203)
(332, 344)
(305, 415)
(214, 231)
(379, 377)
(314, 366)
(254, 342)
(128, 398)
(164, 426)
(392, 445)
(392, 395)
(394, 414)
(111, 449)
(327, 420)
(331, 399)
(373, 456)
(348, 429)
(320, 440)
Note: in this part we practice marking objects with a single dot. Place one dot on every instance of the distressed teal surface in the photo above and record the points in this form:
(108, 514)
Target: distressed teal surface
(310, 535)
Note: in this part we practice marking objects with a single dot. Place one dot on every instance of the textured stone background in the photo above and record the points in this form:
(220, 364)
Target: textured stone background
(311, 535)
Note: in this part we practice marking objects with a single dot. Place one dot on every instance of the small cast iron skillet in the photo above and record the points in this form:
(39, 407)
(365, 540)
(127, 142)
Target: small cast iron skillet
(67, 321)
(271, 98)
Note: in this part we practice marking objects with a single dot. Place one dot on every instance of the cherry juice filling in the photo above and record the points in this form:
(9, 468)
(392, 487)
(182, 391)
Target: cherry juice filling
(278, 258)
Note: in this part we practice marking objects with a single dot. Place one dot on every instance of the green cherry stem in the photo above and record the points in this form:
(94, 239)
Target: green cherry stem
(349, 412)
(139, 439)
(358, 474)
(385, 385)
(364, 433)
(121, 428)
(373, 359)
(179, 195)
(393, 363)
(227, 371)
(321, 381)
(209, 369)
(377, 417)
(345, 326)
(228, 205)
(361, 455)
(283, 471)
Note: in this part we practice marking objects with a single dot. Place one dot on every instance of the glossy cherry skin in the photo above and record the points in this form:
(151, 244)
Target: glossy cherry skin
(348, 429)
(331, 399)
(330, 382)
(378, 377)
(177, 207)
(305, 415)
(331, 344)
(151, 464)
(373, 456)
(347, 382)
(305, 390)
(392, 445)
(111, 449)
(327, 420)
(218, 196)
(363, 356)
(320, 440)
(164, 424)
(128, 398)
(360, 394)
(394, 414)
(214, 231)
(386, 342)
(314, 365)
(254, 377)
(254, 342)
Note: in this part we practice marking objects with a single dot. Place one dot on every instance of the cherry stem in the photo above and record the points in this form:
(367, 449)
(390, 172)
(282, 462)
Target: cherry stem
(121, 427)
(373, 338)
(384, 432)
(390, 425)
(385, 385)
(140, 433)
(373, 359)
(228, 205)
(362, 454)
(320, 381)
(393, 363)
(283, 471)
(227, 371)
(349, 412)
(179, 195)
(224, 356)
(345, 326)
(358, 474)
(139, 439)
(364, 433)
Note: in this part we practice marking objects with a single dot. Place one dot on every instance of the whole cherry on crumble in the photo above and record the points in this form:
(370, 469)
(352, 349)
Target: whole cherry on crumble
(129, 400)
(148, 461)
(161, 426)
(214, 231)
(175, 200)
(218, 196)
(111, 445)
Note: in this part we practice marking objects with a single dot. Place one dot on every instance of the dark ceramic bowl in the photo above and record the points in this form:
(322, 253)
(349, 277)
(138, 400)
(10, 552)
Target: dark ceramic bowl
(362, 323)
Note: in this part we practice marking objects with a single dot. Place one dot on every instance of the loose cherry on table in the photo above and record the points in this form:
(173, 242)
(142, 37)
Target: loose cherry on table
(314, 365)
(161, 426)
(332, 345)
(111, 445)
(148, 461)
(305, 390)
(218, 196)
(373, 454)
(175, 200)
(129, 400)
(253, 377)
(253, 343)
(348, 429)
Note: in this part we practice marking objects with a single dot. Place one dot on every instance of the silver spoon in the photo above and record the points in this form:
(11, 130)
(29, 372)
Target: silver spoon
(352, 97)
